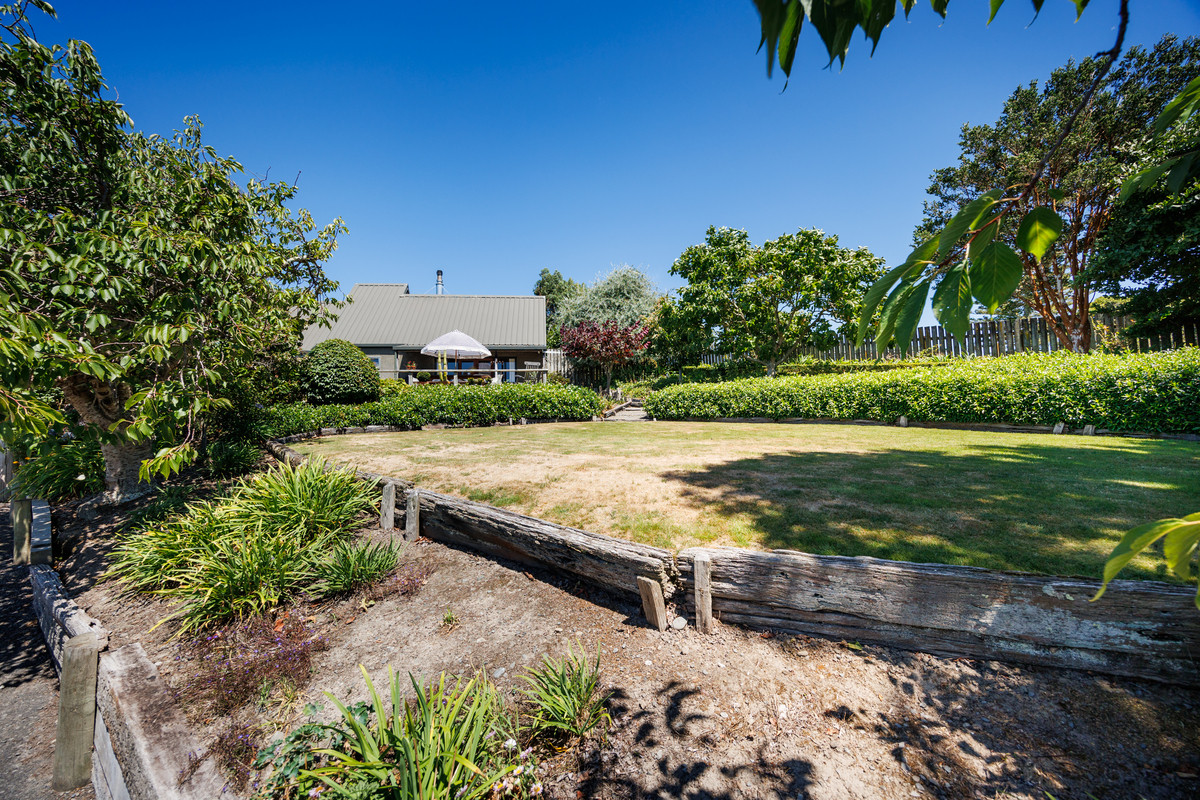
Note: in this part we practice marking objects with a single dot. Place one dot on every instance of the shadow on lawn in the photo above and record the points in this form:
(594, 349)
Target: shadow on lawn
(1042, 508)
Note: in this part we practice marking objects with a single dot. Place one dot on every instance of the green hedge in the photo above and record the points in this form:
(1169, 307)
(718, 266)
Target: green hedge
(336, 371)
(1129, 392)
(451, 405)
(819, 366)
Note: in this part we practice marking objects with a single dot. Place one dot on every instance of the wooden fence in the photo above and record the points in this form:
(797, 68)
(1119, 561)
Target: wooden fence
(1004, 337)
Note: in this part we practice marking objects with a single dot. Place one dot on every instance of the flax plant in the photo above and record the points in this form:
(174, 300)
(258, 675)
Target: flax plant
(443, 745)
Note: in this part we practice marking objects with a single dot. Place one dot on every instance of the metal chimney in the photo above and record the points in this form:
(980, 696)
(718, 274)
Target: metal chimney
(440, 288)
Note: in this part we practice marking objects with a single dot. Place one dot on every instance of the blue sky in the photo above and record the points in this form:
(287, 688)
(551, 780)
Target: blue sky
(494, 139)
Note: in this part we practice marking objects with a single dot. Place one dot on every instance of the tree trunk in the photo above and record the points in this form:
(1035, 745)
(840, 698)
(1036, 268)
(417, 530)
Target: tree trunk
(122, 462)
(103, 405)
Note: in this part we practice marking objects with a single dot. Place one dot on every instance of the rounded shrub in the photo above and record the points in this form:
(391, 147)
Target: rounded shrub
(338, 372)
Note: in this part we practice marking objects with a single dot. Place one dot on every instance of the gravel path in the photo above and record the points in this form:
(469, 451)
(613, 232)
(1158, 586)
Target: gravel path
(28, 689)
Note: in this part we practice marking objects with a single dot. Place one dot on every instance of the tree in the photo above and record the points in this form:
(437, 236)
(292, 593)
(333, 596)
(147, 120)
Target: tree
(800, 290)
(1150, 253)
(606, 344)
(625, 296)
(557, 290)
(135, 275)
(678, 335)
(1080, 183)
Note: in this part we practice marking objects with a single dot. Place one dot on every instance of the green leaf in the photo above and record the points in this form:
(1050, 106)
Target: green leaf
(896, 302)
(965, 220)
(1038, 230)
(995, 275)
(1184, 105)
(1179, 546)
(952, 301)
(1056, 194)
(995, 7)
(1080, 5)
(1137, 540)
(877, 291)
(982, 238)
(910, 316)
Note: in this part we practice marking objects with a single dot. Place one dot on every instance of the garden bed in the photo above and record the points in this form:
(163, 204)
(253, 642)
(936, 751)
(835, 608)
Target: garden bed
(734, 714)
(1047, 504)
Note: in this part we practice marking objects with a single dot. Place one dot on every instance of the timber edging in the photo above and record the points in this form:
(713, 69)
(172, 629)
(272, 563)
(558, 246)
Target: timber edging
(142, 743)
(1141, 629)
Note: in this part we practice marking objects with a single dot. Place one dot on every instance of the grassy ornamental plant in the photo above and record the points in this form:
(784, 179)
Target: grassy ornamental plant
(1126, 392)
(61, 472)
(449, 743)
(564, 696)
(250, 552)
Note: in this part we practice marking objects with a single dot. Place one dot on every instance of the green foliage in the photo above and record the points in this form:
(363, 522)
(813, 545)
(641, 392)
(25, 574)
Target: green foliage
(1180, 165)
(229, 458)
(564, 696)
(61, 471)
(1150, 250)
(768, 302)
(247, 553)
(354, 566)
(1126, 392)
(835, 22)
(445, 744)
(558, 291)
(336, 371)
(390, 387)
(1180, 539)
(625, 296)
(450, 405)
(135, 274)
(1013, 222)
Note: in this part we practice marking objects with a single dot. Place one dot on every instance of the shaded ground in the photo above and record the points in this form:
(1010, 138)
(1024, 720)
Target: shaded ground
(738, 714)
(1048, 504)
(28, 688)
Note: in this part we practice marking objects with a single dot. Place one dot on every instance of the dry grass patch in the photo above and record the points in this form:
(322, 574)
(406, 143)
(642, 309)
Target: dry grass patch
(1047, 504)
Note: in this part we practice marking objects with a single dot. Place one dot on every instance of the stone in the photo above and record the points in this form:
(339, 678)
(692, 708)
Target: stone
(679, 623)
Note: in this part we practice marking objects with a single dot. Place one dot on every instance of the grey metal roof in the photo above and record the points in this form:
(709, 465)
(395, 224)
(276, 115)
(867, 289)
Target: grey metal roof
(385, 315)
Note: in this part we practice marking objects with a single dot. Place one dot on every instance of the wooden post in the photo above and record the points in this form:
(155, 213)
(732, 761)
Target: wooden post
(21, 513)
(76, 713)
(653, 603)
(902, 421)
(412, 516)
(702, 573)
(387, 507)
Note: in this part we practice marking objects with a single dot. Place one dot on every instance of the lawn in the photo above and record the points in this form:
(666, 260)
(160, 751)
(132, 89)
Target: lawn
(1048, 504)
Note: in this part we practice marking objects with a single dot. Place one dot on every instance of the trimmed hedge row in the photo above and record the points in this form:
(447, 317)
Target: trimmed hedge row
(450, 405)
(1128, 392)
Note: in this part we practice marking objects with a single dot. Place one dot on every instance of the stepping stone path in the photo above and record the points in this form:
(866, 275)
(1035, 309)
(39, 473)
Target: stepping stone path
(631, 413)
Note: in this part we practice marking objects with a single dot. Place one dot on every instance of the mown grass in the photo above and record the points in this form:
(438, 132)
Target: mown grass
(1040, 503)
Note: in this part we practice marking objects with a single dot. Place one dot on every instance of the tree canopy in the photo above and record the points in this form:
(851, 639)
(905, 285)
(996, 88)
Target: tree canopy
(625, 296)
(557, 290)
(1079, 185)
(766, 303)
(135, 273)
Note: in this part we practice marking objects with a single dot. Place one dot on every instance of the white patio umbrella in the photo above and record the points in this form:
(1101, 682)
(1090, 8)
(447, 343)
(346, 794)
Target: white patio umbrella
(458, 343)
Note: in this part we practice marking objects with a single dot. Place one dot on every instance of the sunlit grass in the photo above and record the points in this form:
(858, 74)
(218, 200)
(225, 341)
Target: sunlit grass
(1040, 503)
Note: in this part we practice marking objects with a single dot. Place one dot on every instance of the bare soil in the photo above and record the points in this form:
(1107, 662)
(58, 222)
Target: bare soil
(738, 714)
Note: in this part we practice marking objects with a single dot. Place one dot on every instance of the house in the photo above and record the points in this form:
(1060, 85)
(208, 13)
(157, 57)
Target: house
(391, 326)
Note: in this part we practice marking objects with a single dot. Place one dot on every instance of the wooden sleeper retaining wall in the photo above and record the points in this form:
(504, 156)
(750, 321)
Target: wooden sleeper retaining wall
(1141, 629)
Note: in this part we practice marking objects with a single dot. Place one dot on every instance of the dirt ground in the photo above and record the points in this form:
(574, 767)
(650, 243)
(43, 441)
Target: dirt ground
(742, 713)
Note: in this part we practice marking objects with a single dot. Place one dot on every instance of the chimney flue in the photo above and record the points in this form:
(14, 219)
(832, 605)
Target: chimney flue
(440, 288)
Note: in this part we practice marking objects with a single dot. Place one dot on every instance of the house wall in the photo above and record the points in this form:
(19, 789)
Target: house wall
(392, 364)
